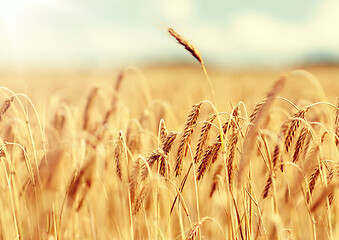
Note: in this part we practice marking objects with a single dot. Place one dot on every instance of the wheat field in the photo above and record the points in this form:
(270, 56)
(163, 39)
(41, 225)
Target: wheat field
(170, 152)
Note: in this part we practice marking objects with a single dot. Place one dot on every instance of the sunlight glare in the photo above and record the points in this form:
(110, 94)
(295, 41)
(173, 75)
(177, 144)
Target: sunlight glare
(10, 10)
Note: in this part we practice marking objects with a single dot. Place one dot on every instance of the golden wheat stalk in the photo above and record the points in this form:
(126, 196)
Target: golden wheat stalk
(256, 110)
(194, 230)
(203, 138)
(168, 142)
(267, 186)
(164, 167)
(300, 144)
(231, 156)
(211, 153)
(253, 130)
(196, 54)
(155, 156)
(311, 184)
(186, 44)
(294, 127)
(277, 152)
(206, 159)
(186, 137)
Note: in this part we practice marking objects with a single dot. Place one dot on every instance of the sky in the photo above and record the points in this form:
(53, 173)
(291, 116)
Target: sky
(108, 33)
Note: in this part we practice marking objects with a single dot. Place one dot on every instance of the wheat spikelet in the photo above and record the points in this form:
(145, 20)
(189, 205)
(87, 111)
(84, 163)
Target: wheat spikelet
(211, 153)
(217, 143)
(194, 230)
(215, 151)
(323, 196)
(311, 184)
(256, 110)
(162, 131)
(134, 177)
(164, 168)
(89, 104)
(84, 176)
(231, 155)
(294, 127)
(186, 137)
(119, 155)
(5, 106)
(263, 107)
(205, 162)
(160, 155)
(267, 186)
(252, 132)
(113, 108)
(209, 157)
(276, 155)
(154, 156)
(300, 144)
(139, 200)
(168, 142)
(186, 44)
(329, 180)
(216, 176)
(2, 153)
(336, 125)
(276, 152)
(203, 138)
(233, 144)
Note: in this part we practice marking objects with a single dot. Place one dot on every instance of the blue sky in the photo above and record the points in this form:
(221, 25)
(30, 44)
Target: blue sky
(105, 33)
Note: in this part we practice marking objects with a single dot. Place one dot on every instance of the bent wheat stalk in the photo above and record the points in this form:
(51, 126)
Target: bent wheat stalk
(253, 131)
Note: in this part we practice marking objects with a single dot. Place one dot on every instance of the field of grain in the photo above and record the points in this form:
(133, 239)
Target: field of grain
(151, 153)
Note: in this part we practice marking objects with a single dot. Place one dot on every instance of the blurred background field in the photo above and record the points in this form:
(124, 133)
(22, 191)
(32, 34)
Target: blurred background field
(179, 85)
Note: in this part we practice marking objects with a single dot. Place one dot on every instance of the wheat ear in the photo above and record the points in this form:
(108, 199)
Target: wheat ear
(216, 177)
(294, 127)
(203, 138)
(186, 137)
(211, 153)
(300, 144)
(113, 108)
(89, 104)
(5, 106)
(186, 44)
(119, 154)
(313, 180)
(162, 131)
